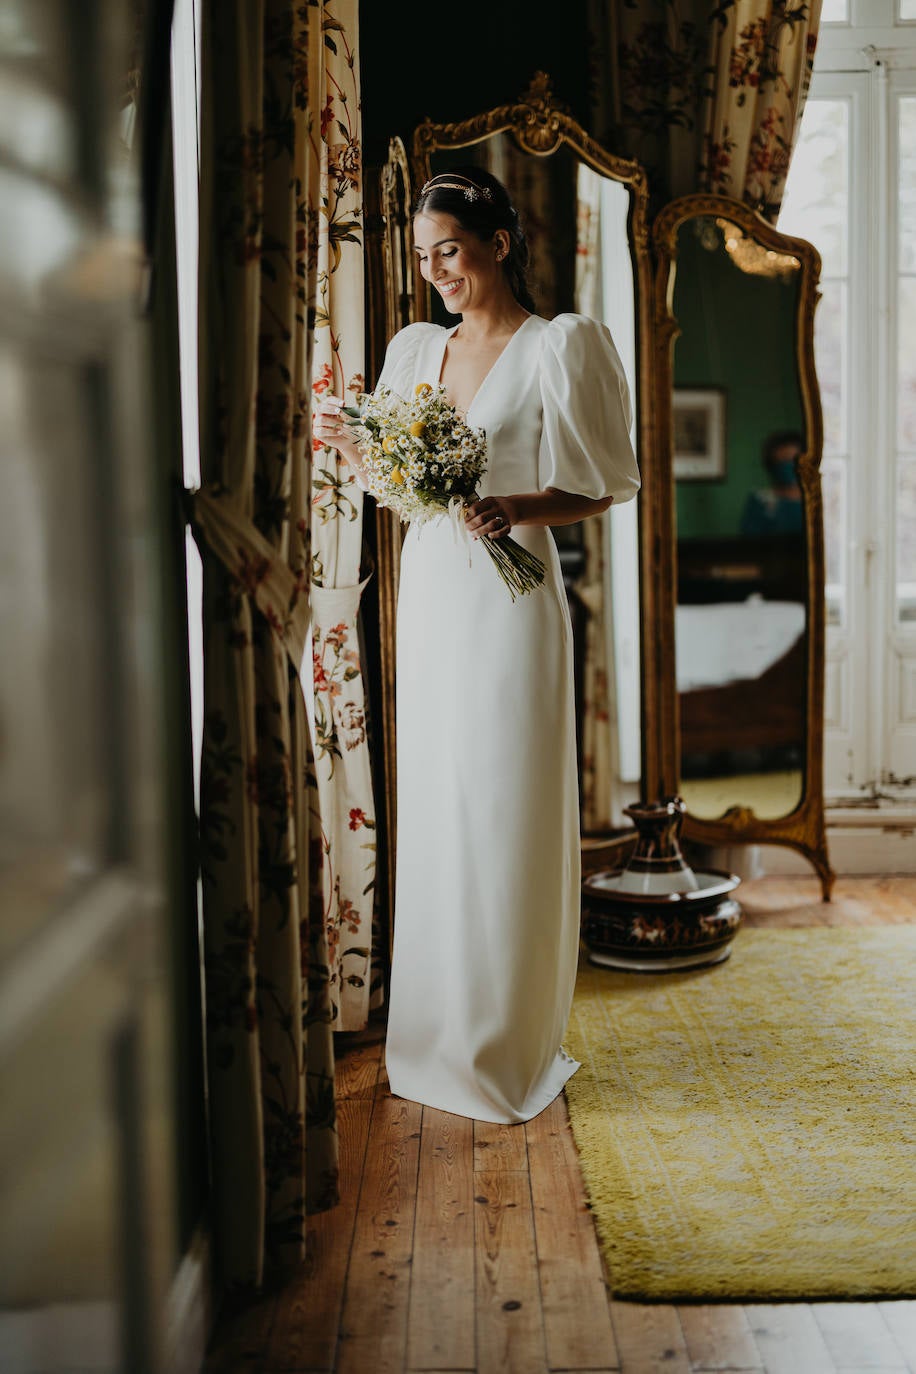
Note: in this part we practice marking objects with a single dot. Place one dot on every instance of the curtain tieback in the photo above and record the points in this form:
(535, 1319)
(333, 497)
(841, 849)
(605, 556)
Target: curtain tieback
(336, 605)
(279, 593)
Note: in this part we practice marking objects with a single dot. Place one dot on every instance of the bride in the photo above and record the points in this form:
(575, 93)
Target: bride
(486, 916)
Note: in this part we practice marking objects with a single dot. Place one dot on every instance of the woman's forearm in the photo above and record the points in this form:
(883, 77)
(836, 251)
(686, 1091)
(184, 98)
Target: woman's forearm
(552, 507)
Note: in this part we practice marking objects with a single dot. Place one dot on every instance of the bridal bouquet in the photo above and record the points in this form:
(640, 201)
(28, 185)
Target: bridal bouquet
(422, 461)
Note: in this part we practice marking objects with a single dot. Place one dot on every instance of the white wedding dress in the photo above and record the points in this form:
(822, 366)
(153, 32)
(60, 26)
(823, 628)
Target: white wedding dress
(486, 919)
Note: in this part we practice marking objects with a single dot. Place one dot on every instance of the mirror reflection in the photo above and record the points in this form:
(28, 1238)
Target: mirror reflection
(576, 223)
(740, 626)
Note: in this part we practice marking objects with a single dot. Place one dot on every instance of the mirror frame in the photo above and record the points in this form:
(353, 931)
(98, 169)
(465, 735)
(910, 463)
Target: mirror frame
(539, 126)
(803, 829)
(390, 283)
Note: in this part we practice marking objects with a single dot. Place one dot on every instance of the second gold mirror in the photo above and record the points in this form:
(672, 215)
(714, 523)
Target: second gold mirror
(741, 534)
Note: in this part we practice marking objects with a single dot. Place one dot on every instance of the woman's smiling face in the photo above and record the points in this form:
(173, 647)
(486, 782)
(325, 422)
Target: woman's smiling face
(462, 267)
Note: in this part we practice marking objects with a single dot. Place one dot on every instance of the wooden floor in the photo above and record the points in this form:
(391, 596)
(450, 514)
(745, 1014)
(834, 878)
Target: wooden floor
(468, 1247)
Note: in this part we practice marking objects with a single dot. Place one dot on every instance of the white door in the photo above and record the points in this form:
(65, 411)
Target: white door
(852, 192)
(87, 1194)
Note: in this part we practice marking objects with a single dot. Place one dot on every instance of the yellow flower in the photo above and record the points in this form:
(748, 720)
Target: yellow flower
(389, 445)
(424, 389)
(418, 428)
(397, 477)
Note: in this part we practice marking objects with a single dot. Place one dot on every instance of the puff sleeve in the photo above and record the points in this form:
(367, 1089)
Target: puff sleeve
(401, 358)
(585, 435)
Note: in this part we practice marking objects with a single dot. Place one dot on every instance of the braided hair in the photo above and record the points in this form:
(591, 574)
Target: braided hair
(481, 205)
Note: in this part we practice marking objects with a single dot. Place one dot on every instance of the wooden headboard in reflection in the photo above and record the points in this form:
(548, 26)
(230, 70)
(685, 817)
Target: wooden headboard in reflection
(735, 567)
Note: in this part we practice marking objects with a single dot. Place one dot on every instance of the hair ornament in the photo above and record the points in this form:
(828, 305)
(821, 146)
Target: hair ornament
(448, 181)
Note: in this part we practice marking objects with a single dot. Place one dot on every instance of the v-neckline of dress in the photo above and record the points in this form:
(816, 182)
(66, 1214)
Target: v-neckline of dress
(492, 368)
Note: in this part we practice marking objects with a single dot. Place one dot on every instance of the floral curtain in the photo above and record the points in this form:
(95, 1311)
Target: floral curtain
(707, 94)
(268, 976)
(343, 812)
(762, 57)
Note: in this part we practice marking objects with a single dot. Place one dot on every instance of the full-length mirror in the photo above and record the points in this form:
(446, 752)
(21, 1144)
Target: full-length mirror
(740, 619)
(584, 214)
(741, 662)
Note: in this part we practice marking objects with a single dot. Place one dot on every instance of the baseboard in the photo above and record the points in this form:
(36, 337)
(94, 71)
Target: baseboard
(60, 1336)
(86, 1335)
(189, 1309)
(860, 841)
(875, 847)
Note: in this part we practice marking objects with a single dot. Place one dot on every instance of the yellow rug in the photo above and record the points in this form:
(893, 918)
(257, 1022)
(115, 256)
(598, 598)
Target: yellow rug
(749, 1131)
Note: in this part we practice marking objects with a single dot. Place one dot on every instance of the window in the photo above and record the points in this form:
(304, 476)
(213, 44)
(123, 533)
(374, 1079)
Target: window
(852, 192)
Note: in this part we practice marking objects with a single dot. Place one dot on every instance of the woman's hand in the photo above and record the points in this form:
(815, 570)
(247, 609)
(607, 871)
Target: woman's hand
(331, 428)
(493, 516)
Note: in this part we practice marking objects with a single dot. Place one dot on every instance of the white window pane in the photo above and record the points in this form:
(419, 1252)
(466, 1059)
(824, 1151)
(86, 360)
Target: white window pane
(830, 356)
(906, 540)
(816, 202)
(906, 182)
(906, 362)
(837, 11)
(834, 481)
(907, 9)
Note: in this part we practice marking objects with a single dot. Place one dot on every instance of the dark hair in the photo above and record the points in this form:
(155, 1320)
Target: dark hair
(781, 439)
(481, 205)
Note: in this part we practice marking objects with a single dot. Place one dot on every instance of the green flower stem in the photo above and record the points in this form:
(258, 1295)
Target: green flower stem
(519, 569)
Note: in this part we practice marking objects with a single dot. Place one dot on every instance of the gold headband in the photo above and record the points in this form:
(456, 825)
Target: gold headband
(459, 183)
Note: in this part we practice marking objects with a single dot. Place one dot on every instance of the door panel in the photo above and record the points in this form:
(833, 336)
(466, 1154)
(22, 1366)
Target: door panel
(87, 1181)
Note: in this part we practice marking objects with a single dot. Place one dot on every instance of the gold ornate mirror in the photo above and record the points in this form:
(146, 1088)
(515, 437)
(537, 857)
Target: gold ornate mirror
(585, 215)
(738, 515)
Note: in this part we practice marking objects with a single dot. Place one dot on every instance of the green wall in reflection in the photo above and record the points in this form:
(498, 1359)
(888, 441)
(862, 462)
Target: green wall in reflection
(737, 334)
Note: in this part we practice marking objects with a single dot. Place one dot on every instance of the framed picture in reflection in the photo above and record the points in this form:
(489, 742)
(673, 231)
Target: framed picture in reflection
(699, 435)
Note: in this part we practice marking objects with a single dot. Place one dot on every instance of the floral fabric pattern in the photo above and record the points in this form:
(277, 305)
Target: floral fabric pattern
(762, 60)
(344, 891)
(267, 966)
(707, 94)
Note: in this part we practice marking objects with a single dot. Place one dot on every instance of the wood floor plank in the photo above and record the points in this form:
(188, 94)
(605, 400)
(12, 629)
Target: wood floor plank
(510, 1332)
(373, 1330)
(499, 1147)
(305, 1330)
(440, 1332)
(649, 1338)
(718, 1336)
(789, 1339)
(530, 1242)
(858, 1337)
(241, 1336)
(895, 900)
(783, 903)
(357, 1070)
(577, 1319)
(900, 1318)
